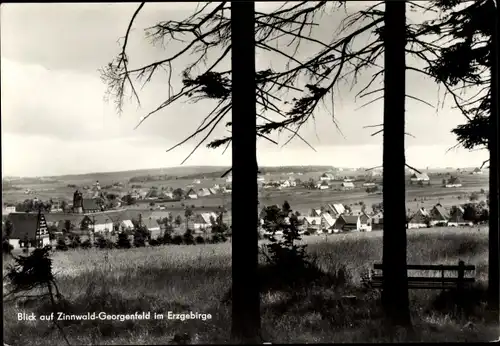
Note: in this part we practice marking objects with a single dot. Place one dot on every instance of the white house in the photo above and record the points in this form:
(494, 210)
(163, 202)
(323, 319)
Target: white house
(419, 177)
(327, 177)
(347, 223)
(260, 178)
(191, 194)
(327, 222)
(365, 222)
(323, 185)
(203, 221)
(312, 223)
(7, 209)
(368, 184)
(477, 170)
(204, 192)
(99, 223)
(347, 185)
(126, 225)
(419, 219)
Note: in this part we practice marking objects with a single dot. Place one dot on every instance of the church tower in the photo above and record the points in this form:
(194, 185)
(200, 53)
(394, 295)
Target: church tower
(78, 202)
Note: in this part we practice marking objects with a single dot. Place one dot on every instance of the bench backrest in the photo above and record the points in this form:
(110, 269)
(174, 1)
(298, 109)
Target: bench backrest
(432, 267)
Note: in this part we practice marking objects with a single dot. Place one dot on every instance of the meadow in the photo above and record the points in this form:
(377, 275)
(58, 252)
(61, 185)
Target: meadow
(197, 278)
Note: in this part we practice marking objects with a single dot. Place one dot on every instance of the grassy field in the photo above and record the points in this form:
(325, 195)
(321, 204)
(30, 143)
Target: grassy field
(197, 278)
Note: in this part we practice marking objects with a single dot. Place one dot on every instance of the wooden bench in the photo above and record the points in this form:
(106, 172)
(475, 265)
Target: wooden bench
(375, 279)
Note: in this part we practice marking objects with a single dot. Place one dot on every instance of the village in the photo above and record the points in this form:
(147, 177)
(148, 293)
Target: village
(102, 211)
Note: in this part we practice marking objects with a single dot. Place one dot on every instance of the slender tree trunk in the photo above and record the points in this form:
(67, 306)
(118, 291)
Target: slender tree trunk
(493, 241)
(245, 290)
(395, 285)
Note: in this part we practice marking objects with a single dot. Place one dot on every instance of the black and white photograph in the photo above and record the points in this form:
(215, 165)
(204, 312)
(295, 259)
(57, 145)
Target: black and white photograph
(247, 172)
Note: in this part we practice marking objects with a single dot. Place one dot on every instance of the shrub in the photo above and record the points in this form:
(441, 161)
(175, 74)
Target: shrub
(86, 244)
(139, 240)
(199, 240)
(61, 245)
(188, 238)
(155, 242)
(103, 243)
(123, 241)
(218, 238)
(177, 240)
(307, 233)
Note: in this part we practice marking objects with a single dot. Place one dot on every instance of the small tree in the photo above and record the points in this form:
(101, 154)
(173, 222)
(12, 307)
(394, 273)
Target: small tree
(74, 241)
(61, 244)
(178, 220)
(167, 235)
(140, 236)
(188, 238)
(86, 244)
(188, 213)
(123, 241)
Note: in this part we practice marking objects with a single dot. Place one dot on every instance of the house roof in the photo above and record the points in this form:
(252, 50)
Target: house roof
(206, 217)
(347, 184)
(441, 211)
(477, 169)
(313, 220)
(127, 223)
(421, 176)
(454, 180)
(330, 221)
(23, 224)
(328, 175)
(337, 208)
(150, 223)
(191, 191)
(90, 204)
(350, 219)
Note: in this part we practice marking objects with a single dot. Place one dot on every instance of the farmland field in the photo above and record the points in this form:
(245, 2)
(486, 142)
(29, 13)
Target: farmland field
(196, 278)
(301, 199)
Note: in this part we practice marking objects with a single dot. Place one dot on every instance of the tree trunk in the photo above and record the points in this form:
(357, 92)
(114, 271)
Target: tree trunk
(395, 285)
(245, 290)
(493, 241)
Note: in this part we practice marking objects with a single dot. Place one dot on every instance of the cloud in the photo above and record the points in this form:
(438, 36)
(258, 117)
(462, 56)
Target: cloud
(53, 109)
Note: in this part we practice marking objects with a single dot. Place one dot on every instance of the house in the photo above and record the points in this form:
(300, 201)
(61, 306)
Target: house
(327, 222)
(453, 182)
(204, 192)
(347, 185)
(323, 185)
(151, 223)
(98, 223)
(419, 219)
(438, 215)
(260, 178)
(28, 227)
(477, 170)
(229, 179)
(8, 208)
(348, 180)
(336, 209)
(90, 205)
(126, 225)
(212, 191)
(191, 194)
(327, 177)
(196, 181)
(365, 222)
(457, 217)
(419, 177)
(347, 223)
(368, 184)
(312, 223)
(227, 189)
(203, 221)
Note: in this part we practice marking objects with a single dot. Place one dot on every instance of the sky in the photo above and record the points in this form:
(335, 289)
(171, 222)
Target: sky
(55, 119)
